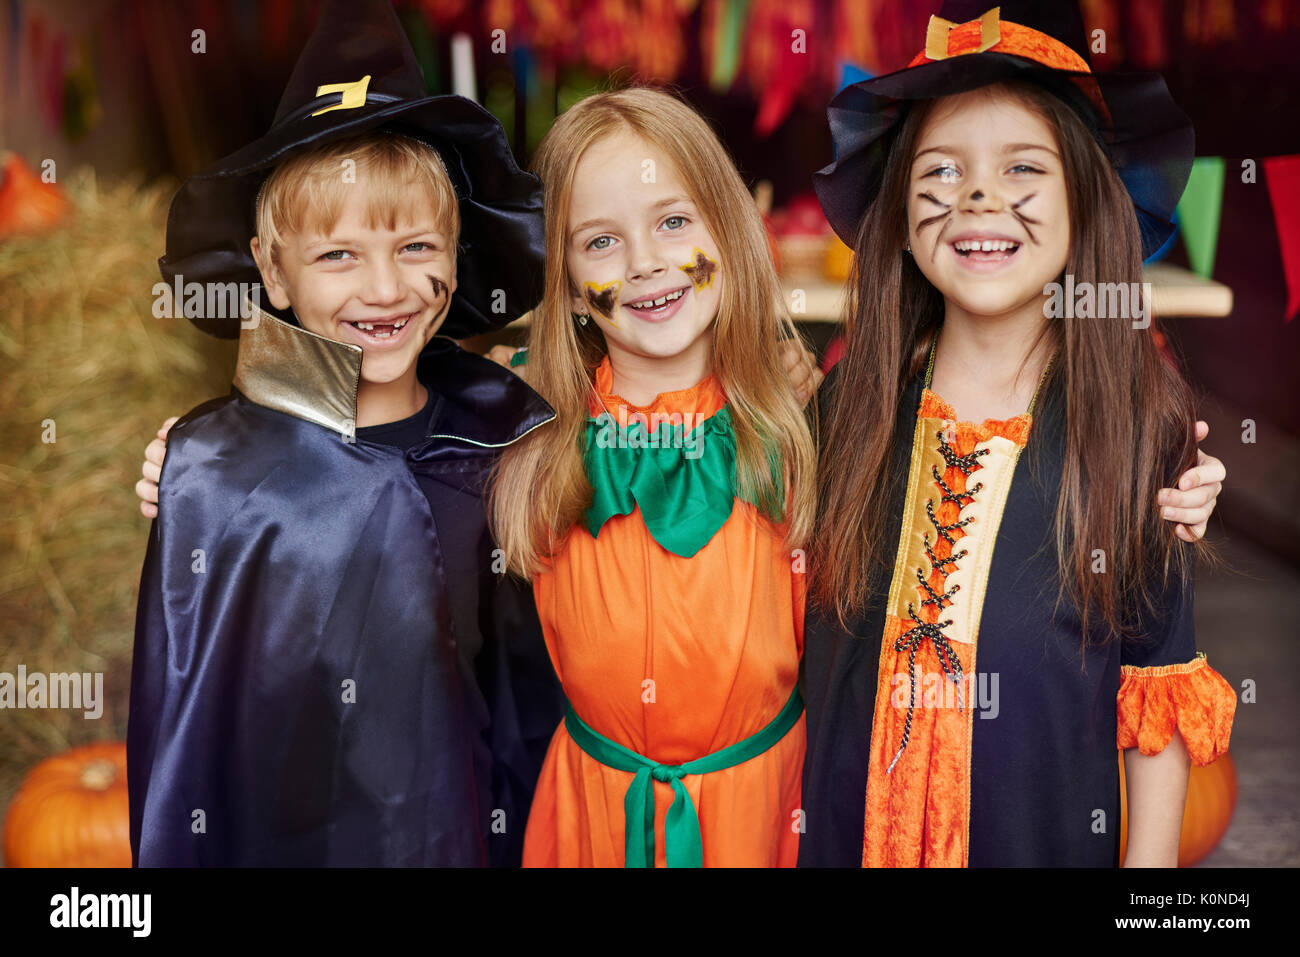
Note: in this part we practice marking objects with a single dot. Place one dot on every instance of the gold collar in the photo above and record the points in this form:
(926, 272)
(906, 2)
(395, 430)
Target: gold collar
(298, 372)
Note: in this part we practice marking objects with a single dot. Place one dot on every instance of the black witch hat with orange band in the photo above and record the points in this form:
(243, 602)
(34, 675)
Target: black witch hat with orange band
(969, 45)
(358, 73)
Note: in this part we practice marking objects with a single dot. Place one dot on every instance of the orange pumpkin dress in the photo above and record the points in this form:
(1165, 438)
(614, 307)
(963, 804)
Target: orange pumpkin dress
(674, 658)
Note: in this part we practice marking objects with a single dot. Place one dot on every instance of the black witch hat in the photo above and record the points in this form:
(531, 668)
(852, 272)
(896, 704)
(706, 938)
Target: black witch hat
(969, 45)
(358, 73)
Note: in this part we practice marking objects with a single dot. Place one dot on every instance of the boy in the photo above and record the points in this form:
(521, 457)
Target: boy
(317, 676)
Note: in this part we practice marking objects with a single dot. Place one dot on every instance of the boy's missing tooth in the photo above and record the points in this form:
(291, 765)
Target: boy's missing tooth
(358, 238)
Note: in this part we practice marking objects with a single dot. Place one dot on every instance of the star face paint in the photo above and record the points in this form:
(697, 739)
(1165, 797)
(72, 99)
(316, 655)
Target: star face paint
(603, 297)
(700, 270)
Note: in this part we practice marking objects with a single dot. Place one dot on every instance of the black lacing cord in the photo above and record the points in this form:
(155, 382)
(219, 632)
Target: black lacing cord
(912, 639)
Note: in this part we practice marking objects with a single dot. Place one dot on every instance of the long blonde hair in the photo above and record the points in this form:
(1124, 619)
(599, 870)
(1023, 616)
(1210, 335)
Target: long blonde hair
(539, 489)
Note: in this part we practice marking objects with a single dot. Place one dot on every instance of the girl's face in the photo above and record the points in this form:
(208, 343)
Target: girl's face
(987, 212)
(640, 259)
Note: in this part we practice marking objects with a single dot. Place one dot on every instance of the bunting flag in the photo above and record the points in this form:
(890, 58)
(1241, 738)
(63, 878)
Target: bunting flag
(1198, 212)
(722, 30)
(1209, 22)
(1283, 176)
(81, 107)
(777, 62)
(850, 74)
(1103, 15)
(855, 33)
(424, 46)
(1149, 44)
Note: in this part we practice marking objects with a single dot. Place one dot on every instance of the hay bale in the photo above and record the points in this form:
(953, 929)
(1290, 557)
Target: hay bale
(79, 347)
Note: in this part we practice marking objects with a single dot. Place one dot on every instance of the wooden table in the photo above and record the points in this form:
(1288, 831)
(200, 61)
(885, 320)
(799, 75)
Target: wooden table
(1175, 292)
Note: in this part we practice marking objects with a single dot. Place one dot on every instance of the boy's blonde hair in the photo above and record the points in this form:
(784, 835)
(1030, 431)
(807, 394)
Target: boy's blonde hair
(540, 489)
(307, 191)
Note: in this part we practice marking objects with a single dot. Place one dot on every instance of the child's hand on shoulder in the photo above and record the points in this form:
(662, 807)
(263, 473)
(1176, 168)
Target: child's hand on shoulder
(506, 355)
(501, 355)
(801, 368)
(1191, 504)
(147, 488)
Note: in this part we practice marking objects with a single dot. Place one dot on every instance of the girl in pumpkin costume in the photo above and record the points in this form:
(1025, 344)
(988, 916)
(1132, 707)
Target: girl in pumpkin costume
(658, 514)
(997, 607)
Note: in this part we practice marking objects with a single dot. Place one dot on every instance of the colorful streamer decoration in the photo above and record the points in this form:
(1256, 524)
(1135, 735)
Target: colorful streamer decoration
(1283, 176)
(1199, 210)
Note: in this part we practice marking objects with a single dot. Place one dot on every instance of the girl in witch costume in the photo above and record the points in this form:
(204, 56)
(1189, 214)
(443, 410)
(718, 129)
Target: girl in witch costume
(997, 607)
(658, 515)
(325, 672)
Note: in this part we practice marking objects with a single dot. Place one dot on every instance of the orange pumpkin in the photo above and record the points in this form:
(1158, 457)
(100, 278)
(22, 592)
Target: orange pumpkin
(71, 811)
(27, 204)
(1211, 799)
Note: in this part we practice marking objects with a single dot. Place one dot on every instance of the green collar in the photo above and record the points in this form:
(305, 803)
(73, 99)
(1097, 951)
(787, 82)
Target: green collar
(683, 480)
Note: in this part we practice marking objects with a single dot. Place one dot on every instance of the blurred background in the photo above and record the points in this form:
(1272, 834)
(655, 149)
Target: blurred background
(108, 104)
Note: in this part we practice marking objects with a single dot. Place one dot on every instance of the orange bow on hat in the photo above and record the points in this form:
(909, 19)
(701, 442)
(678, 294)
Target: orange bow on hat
(944, 39)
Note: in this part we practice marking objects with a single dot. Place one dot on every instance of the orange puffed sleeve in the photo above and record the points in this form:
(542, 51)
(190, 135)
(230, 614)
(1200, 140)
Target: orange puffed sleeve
(1192, 697)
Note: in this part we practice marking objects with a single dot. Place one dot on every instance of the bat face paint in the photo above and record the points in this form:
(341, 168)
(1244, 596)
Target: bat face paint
(603, 297)
(441, 298)
(700, 270)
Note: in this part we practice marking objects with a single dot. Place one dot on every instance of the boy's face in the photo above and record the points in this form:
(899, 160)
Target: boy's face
(386, 291)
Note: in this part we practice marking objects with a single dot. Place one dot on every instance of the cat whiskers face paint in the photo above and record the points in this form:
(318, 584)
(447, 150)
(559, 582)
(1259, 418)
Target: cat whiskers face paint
(1024, 220)
(931, 220)
(700, 270)
(603, 298)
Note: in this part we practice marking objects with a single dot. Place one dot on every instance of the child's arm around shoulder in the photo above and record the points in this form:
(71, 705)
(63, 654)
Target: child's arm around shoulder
(1190, 505)
(154, 453)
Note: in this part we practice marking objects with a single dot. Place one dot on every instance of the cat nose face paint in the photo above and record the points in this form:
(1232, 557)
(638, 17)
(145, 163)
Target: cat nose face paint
(700, 270)
(603, 297)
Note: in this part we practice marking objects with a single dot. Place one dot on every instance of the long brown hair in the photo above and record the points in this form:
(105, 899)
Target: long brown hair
(1128, 412)
(539, 489)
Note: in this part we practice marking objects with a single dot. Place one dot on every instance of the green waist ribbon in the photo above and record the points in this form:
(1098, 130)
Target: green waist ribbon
(682, 844)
